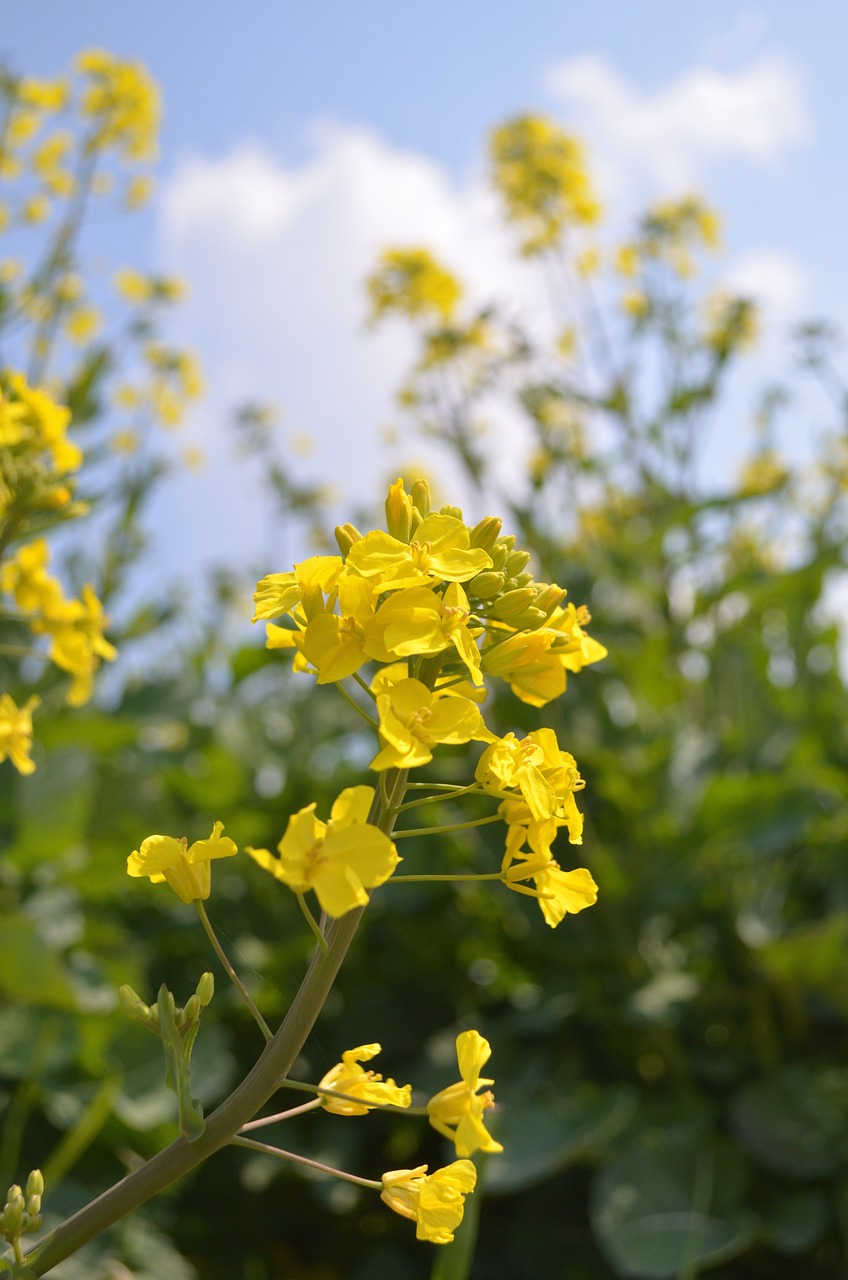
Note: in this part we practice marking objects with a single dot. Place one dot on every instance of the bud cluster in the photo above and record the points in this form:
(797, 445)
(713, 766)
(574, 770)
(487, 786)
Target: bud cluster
(21, 1213)
(185, 1019)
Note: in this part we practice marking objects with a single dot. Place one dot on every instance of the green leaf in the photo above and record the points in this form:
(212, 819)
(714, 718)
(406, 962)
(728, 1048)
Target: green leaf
(668, 1207)
(796, 1123)
(29, 972)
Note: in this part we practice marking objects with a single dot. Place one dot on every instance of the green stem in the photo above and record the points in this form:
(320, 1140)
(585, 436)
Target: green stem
(358, 678)
(451, 793)
(441, 831)
(489, 875)
(231, 973)
(310, 1164)
(281, 1115)
(312, 922)
(369, 720)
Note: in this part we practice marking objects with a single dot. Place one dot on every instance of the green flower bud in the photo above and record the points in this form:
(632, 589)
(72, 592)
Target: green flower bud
(456, 512)
(550, 595)
(133, 1005)
(509, 606)
(485, 534)
(420, 494)
(13, 1194)
(530, 619)
(498, 556)
(346, 535)
(516, 561)
(13, 1217)
(33, 1206)
(205, 989)
(35, 1184)
(486, 585)
(524, 580)
(189, 1015)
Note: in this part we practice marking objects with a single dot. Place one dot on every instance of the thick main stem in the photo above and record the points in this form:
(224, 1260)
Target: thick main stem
(241, 1106)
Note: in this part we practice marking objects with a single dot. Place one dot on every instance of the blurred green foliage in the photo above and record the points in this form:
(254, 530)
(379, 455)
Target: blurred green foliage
(671, 1066)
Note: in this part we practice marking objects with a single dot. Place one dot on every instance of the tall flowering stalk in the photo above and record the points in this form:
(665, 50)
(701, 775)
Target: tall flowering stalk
(408, 623)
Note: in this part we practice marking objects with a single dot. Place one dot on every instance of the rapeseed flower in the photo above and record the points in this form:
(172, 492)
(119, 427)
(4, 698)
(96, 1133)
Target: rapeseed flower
(339, 859)
(368, 1087)
(413, 720)
(16, 732)
(457, 1112)
(435, 1202)
(185, 868)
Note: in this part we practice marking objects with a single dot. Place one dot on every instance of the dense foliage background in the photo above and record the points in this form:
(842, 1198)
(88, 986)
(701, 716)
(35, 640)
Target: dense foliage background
(671, 1065)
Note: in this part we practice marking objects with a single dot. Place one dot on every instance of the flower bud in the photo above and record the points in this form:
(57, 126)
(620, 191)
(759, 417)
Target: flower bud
(486, 585)
(456, 512)
(35, 1184)
(205, 989)
(346, 535)
(133, 1005)
(516, 562)
(33, 1207)
(509, 606)
(485, 534)
(420, 493)
(530, 619)
(549, 597)
(399, 512)
(522, 580)
(189, 1015)
(13, 1216)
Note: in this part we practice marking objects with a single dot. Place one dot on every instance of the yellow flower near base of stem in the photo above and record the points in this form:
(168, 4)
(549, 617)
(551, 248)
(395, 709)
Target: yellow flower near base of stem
(367, 1086)
(435, 1202)
(339, 859)
(185, 868)
(16, 732)
(457, 1112)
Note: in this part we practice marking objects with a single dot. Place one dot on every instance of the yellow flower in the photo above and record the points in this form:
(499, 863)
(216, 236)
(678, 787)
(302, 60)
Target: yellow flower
(440, 551)
(279, 593)
(420, 621)
(186, 869)
(47, 423)
(350, 1078)
(16, 732)
(132, 286)
(412, 283)
(122, 101)
(336, 645)
(338, 859)
(82, 323)
(25, 577)
(545, 776)
(457, 1112)
(77, 640)
(435, 1202)
(559, 892)
(413, 720)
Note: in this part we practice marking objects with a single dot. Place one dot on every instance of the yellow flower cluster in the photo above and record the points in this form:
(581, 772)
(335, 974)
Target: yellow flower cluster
(75, 627)
(411, 282)
(540, 173)
(122, 104)
(16, 732)
(36, 455)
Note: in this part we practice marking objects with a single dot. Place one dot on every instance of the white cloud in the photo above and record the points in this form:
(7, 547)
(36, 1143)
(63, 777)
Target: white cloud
(669, 134)
(276, 258)
(773, 280)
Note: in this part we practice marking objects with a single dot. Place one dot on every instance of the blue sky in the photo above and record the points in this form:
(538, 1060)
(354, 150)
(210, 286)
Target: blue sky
(299, 137)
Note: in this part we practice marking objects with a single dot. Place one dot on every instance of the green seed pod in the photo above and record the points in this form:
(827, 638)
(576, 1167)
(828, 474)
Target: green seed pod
(346, 535)
(485, 534)
(486, 585)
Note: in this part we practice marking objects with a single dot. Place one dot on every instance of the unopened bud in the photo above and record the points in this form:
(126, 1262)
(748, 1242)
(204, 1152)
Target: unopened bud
(523, 579)
(13, 1217)
(549, 597)
(420, 494)
(456, 512)
(399, 512)
(530, 619)
(513, 603)
(33, 1206)
(346, 535)
(14, 1193)
(516, 561)
(486, 585)
(190, 1013)
(133, 1005)
(35, 1184)
(205, 989)
(485, 534)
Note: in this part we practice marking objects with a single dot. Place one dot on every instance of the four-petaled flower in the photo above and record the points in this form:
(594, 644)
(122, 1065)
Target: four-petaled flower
(369, 1088)
(435, 1201)
(457, 1112)
(185, 868)
(339, 859)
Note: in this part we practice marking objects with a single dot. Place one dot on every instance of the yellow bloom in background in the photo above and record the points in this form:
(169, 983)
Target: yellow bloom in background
(132, 286)
(25, 577)
(413, 720)
(457, 1112)
(47, 424)
(185, 868)
(122, 100)
(338, 859)
(435, 1202)
(16, 732)
(77, 640)
(350, 1078)
(411, 282)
